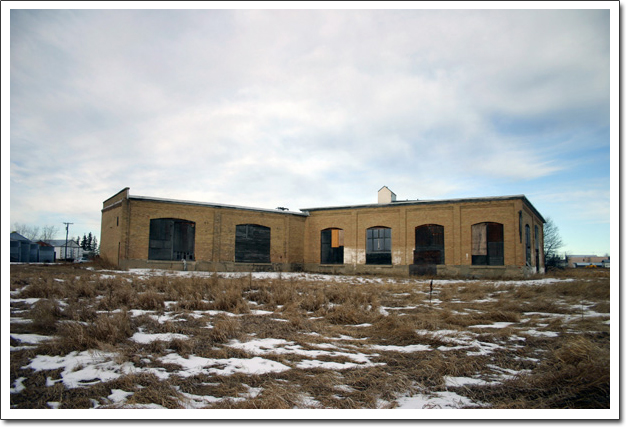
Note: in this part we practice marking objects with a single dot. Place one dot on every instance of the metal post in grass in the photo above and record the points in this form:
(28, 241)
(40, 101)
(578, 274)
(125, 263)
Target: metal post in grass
(582, 310)
(431, 291)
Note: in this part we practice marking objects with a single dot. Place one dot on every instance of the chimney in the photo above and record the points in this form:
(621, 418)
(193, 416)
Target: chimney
(386, 196)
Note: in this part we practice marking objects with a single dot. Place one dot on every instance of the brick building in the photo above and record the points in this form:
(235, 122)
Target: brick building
(473, 237)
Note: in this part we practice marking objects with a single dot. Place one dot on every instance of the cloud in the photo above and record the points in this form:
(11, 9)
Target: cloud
(586, 203)
(298, 107)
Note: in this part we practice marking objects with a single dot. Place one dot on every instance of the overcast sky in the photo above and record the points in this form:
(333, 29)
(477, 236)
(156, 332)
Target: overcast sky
(310, 108)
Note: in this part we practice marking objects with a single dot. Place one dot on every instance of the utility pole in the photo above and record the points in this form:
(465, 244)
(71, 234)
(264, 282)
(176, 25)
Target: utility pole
(67, 232)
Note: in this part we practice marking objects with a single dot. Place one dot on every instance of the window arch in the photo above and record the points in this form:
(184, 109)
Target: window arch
(488, 243)
(331, 246)
(171, 239)
(252, 243)
(429, 245)
(378, 246)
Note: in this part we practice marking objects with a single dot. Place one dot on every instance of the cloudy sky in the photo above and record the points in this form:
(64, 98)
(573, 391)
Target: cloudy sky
(309, 108)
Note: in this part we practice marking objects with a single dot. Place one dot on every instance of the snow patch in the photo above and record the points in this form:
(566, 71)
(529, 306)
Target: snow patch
(536, 333)
(463, 381)
(18, 385)
(118, 396)
(30, 338)
(143, 338)
(195, 365)
(402, 349)
(496, 325)
(437, 400)
(84, 368)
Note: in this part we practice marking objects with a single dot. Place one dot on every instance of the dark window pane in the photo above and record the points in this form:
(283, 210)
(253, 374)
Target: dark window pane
(171, 239)
(252, 243)
(495, 232)
(387, 247)
(331, 246)
(536, 238)
(378, 246)
(488, 244)
(429, 245)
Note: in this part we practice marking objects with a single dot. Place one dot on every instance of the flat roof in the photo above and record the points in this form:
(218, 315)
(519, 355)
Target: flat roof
(216, 205)
(305, 212)
(426, 202)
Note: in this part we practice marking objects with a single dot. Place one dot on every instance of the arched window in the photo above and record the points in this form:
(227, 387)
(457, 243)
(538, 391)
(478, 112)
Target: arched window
(537, 262)
(529, 260)
(252, 243)
(331, 246)
(171, 239)
(488, 243)
(429, 245)
(378, 246)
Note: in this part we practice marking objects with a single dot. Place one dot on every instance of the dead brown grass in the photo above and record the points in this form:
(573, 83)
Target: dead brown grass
(573, 375)
(105, 332)
(154, 391)
(84, 310)
(224, 329)
(45, 314)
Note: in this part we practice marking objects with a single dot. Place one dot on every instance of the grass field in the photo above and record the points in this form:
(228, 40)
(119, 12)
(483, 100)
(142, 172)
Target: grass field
(83, 336)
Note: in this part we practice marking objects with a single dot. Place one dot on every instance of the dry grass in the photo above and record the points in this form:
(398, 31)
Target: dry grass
(573, 375)
(559, 351)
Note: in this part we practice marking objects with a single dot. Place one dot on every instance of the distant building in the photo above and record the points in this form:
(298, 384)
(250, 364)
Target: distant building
(472, 237)
(24, 250)
(66, 251)
(581, 261)
(46, 252)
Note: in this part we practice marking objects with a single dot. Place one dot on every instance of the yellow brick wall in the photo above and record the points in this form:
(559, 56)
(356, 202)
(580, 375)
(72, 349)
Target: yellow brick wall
(111, 235)
(456, 218)
(439, 215)
(279, 235)
(295, 239)
(319, 221)
(114, 226)
(503, 212)
(141, 212)
(214, 230)
(529, 218)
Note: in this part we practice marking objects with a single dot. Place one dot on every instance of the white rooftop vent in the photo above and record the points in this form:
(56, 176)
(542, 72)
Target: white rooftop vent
(386, 196)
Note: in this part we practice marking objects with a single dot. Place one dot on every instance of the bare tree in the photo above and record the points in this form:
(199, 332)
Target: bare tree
(34, 233)
(31, 233)
(552, 242)
(49, 232)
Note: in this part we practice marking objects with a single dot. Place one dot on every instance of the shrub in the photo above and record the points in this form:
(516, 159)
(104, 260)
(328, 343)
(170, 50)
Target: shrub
(43, 288)
(313, 301)
(350, 314)
(231, 300)
(45, 314)
(112, 329)
(105, 330)
(224, 329)
(393, 330)
(150, 300)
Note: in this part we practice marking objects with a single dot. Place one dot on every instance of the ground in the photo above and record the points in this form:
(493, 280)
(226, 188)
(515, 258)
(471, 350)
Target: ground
(83, 336)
